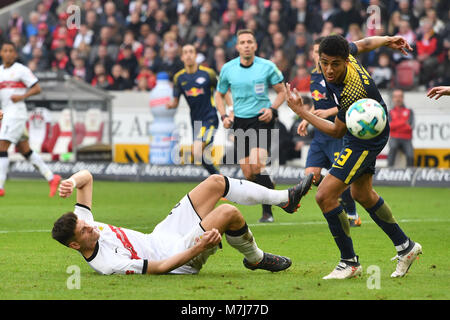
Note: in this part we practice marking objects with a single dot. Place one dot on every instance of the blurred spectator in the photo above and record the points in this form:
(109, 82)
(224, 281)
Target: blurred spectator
(184, 26)
(407, 14)
(276, 18)
(151, 60)
(191, 12)
(345, 16)
(84, 35)
(211, 27)
(60, 60)
(27, 51)
(155, 30)
(39, 59)
(233, 8)
(16, 21)
(405, 31)
(146, 79)
(92, 22)
(32, 25)
(121, 80)
(281, 61)
(327, 9)
(219, 59)
(45, 15)
(301, 80)
(128, 61)
(44, 38)
(234, 22)
(171, 61)
(401, 121)
(429, 47)
(79, 70)
(382, 73)
(136, 46)
(159, 22)
(300, 13)
(104, 58)
(101, 79)
(110, 10)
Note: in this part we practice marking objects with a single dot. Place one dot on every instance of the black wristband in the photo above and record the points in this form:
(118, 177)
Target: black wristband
(223, 117)
(274, 112)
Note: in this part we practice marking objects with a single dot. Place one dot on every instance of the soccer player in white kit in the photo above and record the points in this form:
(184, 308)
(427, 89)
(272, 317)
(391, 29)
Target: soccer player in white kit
(184, 240)
(17, 83)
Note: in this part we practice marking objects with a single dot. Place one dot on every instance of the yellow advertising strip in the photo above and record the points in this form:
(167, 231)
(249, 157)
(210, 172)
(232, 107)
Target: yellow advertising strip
(126, 153)
(435, 158)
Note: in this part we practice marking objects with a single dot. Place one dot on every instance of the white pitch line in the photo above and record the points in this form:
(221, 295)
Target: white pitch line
(275, 224)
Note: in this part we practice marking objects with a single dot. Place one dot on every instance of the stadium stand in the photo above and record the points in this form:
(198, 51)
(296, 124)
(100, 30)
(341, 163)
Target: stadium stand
(145, 37)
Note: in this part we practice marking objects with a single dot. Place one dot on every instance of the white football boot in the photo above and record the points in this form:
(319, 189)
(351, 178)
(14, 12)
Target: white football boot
(405, 260)
(345, 270)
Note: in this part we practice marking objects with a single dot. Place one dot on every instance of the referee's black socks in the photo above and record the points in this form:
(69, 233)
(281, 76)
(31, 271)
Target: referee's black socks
(265, 181)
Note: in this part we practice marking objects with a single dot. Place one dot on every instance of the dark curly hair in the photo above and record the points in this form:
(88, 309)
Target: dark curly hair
(335, 46)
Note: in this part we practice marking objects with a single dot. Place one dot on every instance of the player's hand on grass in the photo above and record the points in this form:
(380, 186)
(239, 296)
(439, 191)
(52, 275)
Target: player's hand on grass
(400, 44)
(65, 188)
(210, 239)
(436, 92)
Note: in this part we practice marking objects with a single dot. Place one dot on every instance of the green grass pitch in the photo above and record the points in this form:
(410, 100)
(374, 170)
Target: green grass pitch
(34, 266)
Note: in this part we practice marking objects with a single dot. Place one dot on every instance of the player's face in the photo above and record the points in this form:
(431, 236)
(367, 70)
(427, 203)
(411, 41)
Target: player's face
(86, 235)
(8, 54)
(246, 46)
(333, 68)
(188, 55)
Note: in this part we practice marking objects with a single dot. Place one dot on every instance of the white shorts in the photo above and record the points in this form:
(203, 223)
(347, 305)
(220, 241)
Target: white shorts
(13, 130)
(179, 231)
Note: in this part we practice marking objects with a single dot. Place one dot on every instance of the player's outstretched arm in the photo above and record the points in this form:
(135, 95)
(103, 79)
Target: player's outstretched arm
(335, 129)
(209, 239)
(371, 43)
(437, 92)
(83, 182)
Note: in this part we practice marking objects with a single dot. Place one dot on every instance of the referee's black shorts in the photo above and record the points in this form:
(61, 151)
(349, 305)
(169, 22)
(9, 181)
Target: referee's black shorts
(251, 133)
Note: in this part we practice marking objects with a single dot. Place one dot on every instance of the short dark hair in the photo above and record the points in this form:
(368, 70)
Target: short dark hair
(10, 43)
(244, 31)
(64, 228)
(335, 46)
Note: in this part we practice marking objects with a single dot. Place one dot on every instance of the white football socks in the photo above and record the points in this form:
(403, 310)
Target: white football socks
(243, 241)
(37, 161)
(250, 193)
(4, 162)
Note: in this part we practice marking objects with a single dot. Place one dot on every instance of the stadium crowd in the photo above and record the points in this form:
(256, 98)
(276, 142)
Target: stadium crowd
(121, 45)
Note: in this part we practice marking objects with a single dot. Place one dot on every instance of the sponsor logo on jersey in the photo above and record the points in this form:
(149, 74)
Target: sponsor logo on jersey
(316, 95)
(194, 92)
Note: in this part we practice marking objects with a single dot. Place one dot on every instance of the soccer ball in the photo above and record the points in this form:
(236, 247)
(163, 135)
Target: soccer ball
(365, 119)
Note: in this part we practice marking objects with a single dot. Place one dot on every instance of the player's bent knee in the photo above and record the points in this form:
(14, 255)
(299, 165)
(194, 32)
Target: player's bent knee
(230, 212)
(217, 182)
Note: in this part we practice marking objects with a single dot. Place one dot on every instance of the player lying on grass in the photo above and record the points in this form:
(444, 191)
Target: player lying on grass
(184, 240)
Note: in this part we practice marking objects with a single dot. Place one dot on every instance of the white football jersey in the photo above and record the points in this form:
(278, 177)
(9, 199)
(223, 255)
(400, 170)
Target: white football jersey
(15, 80)
(118, 250)
(125, 251)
